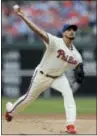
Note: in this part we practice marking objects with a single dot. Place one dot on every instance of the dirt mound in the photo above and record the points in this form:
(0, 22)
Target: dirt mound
(37, 125)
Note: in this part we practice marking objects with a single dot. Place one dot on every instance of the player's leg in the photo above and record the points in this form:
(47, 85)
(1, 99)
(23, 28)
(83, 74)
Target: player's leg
(62, 85)
(39, 83)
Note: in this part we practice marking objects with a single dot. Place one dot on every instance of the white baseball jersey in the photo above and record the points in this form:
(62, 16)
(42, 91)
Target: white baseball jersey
(58, 57)
(56, 60)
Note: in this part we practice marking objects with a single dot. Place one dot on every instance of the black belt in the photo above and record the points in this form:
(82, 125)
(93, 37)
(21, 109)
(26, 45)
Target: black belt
(48, 75)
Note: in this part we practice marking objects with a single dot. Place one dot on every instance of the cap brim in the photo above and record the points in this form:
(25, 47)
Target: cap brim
(74, 27)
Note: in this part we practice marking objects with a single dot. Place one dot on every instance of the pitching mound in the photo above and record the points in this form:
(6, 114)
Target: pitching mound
(27, 125)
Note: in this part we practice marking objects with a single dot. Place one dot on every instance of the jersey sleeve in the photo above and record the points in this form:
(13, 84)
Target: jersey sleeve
(52, 41)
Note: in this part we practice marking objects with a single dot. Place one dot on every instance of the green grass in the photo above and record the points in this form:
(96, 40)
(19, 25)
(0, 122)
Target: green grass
(55, 105)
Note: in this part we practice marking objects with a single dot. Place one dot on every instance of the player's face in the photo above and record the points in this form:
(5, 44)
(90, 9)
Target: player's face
(70, 34)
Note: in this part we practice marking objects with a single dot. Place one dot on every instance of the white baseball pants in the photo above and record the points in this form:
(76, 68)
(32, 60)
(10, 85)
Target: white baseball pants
(39, 84)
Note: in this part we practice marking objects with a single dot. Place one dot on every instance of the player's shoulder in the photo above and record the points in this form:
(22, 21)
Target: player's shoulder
(54, 41)
(50, 35)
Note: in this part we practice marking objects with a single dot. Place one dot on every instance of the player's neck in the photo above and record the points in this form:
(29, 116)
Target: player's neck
(68, 42)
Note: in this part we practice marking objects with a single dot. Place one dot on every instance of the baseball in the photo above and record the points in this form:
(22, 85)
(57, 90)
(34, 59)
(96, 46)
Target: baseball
(15, 7)
(8, 106)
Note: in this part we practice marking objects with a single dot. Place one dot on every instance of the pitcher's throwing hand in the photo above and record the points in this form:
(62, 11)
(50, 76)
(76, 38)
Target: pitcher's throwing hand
(18, 10)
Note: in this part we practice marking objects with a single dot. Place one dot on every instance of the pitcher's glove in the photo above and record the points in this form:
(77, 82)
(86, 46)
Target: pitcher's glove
(79, 73)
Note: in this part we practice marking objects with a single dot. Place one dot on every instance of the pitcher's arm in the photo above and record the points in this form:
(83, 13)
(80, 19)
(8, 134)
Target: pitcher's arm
(31, 25)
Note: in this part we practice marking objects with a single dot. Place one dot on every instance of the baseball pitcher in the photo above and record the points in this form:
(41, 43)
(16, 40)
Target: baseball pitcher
(60, 55)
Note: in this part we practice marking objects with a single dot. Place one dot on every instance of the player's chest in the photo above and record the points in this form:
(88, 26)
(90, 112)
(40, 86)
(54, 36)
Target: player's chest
(66, 55)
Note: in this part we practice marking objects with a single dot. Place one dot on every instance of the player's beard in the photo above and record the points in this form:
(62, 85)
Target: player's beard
(71, 38)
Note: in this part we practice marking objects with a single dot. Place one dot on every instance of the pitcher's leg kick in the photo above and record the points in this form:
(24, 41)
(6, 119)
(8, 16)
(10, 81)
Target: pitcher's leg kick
(24, 100)
(39, 83)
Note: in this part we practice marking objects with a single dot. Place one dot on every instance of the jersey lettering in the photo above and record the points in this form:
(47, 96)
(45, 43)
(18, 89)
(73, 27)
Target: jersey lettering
(64, 57)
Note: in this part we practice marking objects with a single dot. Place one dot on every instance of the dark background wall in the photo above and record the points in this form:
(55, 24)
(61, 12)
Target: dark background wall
(30, 58)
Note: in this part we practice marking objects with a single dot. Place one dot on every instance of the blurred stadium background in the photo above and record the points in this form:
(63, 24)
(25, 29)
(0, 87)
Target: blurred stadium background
(22, 50)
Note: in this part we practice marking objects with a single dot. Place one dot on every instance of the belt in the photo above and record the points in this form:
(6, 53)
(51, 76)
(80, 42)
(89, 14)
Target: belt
(48, 75)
